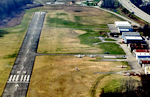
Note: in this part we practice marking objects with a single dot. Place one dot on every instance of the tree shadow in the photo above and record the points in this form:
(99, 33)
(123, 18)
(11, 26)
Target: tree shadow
(3, 32)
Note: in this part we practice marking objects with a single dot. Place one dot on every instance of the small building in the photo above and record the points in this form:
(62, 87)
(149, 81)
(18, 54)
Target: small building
(132, 39)
(123, 26)
(124, 34)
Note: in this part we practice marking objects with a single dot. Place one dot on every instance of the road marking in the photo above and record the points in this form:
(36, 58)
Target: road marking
(18, 71)
(28, 77)
(10, 77)
(28, 51)
(17, 77)
(25, 77)
(21, 77)
(14, 77)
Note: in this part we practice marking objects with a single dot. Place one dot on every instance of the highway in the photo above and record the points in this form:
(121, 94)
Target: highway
(19, 78)
(132, 8)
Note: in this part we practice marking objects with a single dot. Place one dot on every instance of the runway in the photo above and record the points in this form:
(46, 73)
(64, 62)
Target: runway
(19, 78)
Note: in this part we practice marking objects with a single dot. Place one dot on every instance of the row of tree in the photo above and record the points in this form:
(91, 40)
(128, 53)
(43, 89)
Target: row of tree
(8, 6)
(110, 3)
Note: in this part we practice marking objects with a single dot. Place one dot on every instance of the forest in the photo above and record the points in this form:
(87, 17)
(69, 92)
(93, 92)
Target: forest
(9, 6)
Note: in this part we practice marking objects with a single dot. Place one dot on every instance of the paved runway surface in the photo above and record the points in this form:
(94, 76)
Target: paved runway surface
(18, 81)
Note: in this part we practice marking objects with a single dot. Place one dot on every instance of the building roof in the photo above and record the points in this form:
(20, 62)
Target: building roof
(130, 33)
(133, 38)
(124, 29)
(122, 23)
(141, 50)
(142, 59)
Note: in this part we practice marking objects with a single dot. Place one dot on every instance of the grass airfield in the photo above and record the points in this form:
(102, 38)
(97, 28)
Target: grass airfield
(63, 32)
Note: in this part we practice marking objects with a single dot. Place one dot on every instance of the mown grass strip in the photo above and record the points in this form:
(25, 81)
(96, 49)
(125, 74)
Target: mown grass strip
(93, 89)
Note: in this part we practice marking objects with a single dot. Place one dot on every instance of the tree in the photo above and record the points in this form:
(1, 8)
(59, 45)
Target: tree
(146, 30)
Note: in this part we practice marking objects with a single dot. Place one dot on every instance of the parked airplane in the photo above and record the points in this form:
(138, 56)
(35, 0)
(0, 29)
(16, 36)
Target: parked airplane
(79, 56)
(122, 66)
(92, 56)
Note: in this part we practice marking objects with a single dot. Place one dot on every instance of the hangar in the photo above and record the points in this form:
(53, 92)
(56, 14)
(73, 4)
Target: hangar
(123, 26)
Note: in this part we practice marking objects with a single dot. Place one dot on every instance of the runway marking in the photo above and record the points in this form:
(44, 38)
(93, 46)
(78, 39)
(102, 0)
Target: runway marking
(31, 37)
(25, 59)
(22, 67)
(29, 43)
(28, 51)
(28, 77)
(21, 77)
(10, 77)
(14, 77)
(24, 71)
(25, 77)
(18, 71)
(17, 77)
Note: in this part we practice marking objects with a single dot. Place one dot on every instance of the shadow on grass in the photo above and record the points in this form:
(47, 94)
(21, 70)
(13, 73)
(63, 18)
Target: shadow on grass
(3, 32)
(11, 55)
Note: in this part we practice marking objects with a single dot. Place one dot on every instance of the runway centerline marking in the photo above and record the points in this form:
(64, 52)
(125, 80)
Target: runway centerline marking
(25, 59)
(28, 51)
(29, 43)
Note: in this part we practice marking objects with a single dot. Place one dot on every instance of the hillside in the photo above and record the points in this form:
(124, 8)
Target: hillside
(8, 6)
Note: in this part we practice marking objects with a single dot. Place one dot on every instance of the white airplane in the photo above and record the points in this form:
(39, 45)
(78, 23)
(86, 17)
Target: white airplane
(79, 56)
(122, 66)
(92, 56)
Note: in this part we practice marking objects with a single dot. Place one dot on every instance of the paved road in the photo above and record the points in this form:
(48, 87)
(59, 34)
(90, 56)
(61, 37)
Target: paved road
(18, 81)
(132, 8)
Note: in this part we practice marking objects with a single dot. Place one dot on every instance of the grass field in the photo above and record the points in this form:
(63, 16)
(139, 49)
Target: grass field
(111, 48)
(80, 37)
(61, 79)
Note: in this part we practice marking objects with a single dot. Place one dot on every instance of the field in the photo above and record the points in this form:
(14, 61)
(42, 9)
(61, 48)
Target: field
(56, 76)
(73, 30)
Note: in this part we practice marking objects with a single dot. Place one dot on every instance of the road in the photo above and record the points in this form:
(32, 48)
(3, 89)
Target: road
(18, 81)
(132, 8)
